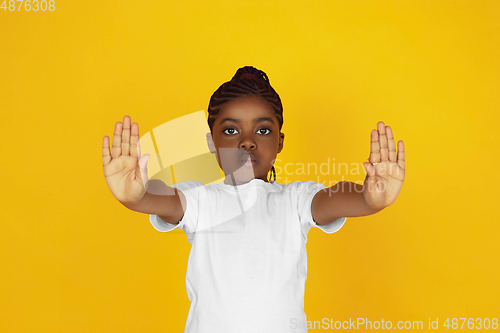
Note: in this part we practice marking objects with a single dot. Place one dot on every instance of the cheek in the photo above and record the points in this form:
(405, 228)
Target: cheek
(222, 141)
(271, 143)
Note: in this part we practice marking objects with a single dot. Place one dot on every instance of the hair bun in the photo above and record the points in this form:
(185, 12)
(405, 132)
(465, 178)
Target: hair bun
(248, 72)
(248, 75)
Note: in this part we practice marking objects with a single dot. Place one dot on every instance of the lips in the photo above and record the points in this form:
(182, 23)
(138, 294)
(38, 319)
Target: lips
(244, 158)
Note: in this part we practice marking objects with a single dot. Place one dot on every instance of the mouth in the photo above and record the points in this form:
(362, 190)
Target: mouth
(248, 160)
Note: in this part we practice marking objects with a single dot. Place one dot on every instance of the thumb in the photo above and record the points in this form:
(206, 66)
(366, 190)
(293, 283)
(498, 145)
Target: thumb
(370, 169)
(143, 163)
(369, 180)
(365, 166)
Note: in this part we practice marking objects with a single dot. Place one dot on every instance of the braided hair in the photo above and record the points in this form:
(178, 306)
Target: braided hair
(242, 85)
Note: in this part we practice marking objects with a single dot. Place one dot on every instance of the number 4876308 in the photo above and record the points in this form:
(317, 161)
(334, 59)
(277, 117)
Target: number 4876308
(29, 5)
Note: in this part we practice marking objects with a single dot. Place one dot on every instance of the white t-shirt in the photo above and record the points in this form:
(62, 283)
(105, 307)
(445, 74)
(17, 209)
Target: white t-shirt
(248, 263)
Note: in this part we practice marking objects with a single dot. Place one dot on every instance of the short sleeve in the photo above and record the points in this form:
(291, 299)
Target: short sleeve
(305, 194)
(189, 221)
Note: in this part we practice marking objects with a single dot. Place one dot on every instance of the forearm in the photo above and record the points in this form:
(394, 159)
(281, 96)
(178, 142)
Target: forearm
(165, 205)
(351, 201)
(344, 199)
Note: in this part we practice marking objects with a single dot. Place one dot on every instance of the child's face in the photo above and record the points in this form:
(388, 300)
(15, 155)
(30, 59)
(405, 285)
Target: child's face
(252, 130)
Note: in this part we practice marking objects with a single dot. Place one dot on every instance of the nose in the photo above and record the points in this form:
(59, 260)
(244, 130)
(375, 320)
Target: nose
(247, 143)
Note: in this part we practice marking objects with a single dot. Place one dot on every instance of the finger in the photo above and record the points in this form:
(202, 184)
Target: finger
(401, 154)
(382, 137)
(116, 150)
(374, 148)
(126, 136)
(134, 139)
(106, 156)
(392, 145)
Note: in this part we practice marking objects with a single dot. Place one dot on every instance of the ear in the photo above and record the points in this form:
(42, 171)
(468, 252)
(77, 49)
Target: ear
(210, 143)
(280, 144)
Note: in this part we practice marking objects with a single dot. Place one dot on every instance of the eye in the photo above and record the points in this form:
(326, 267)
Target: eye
(264, 129)
(229, 129)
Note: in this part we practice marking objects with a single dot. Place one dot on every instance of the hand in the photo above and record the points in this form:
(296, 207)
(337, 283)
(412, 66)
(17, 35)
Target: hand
(125, 170)
(386, 170)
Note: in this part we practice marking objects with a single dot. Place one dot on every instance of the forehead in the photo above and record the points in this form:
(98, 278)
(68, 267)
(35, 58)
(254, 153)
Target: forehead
(246, 109)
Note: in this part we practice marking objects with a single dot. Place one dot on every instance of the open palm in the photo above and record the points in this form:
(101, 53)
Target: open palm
(125, 170)
(386, 170)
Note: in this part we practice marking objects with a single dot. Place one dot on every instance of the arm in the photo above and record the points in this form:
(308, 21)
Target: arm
(344, 199)
(384, 179)
(168, 207)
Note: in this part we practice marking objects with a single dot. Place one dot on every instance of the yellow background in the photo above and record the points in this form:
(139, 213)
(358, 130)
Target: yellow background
(73, 259)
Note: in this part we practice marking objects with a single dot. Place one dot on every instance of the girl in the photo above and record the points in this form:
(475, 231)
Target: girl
(248, 264)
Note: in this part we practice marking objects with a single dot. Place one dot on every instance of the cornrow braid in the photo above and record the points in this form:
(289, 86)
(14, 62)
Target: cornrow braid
(273, 172)
(245, 86)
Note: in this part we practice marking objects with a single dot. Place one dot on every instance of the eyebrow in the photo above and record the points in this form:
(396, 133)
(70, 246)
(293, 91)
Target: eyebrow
(256, 120)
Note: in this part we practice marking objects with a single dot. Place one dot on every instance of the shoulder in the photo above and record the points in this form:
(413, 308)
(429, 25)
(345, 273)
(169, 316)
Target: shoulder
(190, 189)
(304, 188)
(188, 185)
